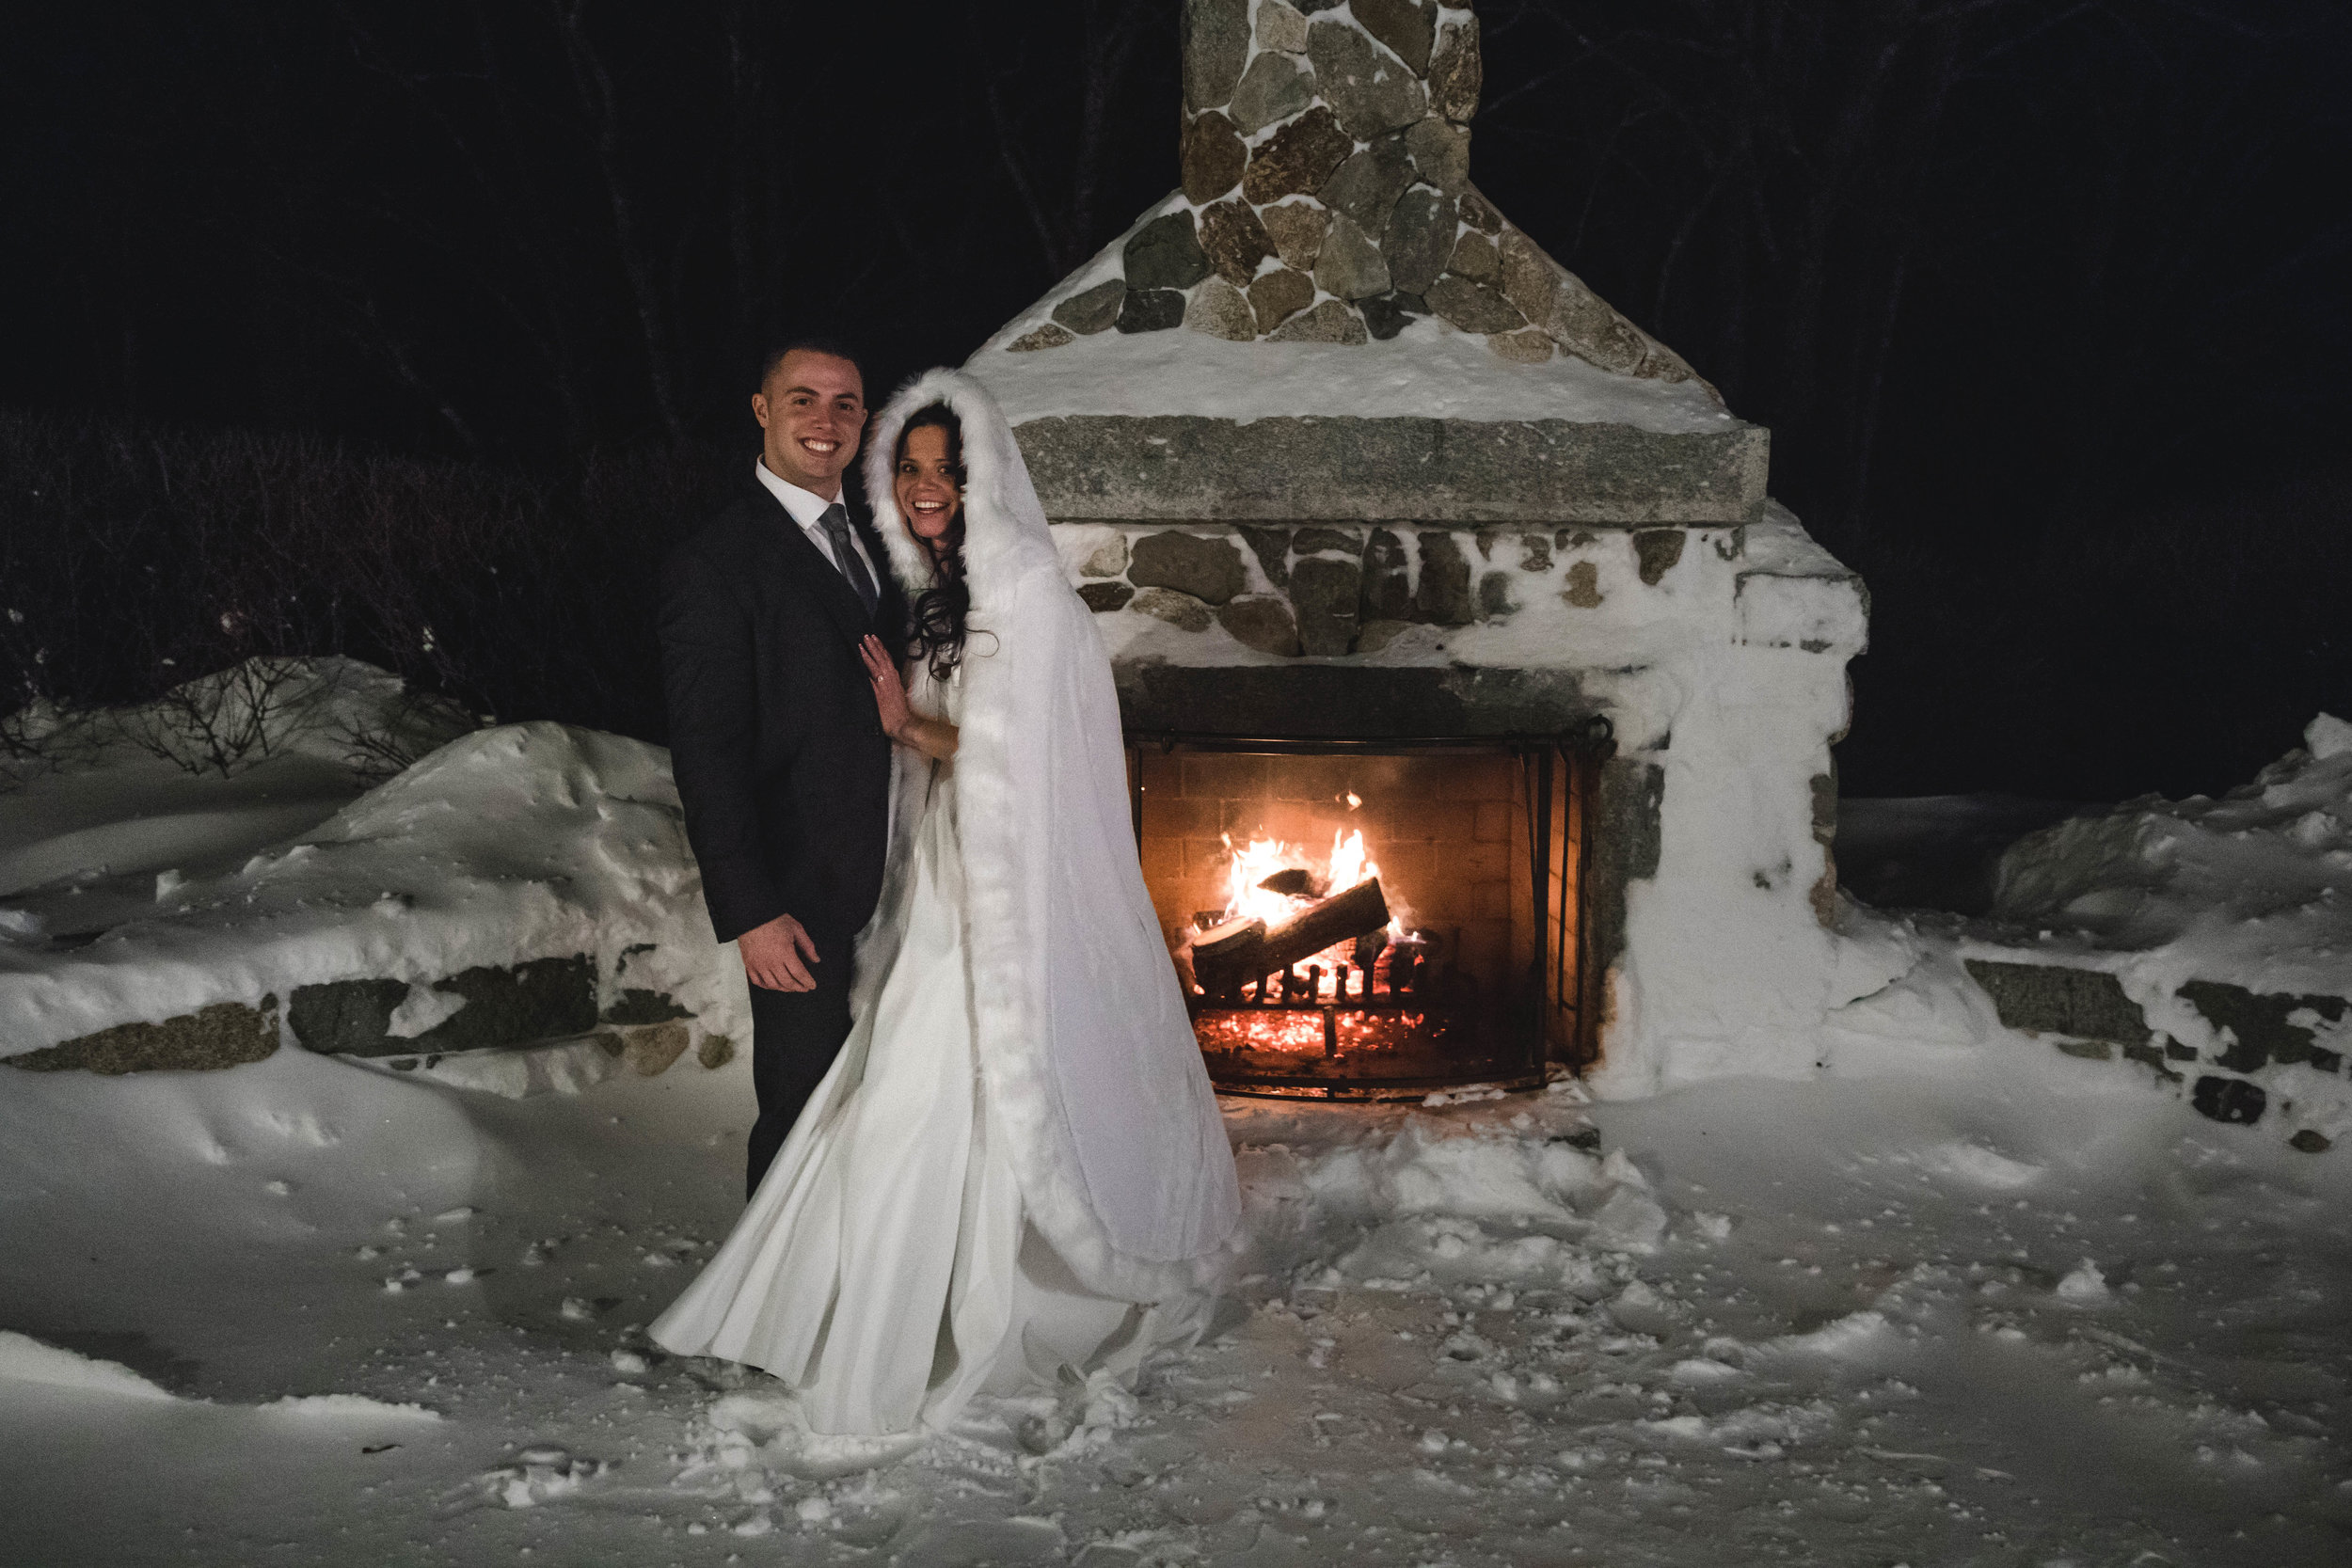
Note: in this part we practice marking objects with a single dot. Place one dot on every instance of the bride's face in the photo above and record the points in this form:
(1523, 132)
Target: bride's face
(925, 485)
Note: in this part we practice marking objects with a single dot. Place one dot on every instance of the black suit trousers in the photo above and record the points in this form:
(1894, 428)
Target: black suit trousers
(795, 1036)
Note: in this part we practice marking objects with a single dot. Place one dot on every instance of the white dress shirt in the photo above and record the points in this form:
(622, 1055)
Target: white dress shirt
(807, 508)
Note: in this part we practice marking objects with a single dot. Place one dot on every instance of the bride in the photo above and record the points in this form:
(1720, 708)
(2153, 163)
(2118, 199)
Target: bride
(1016, 1165)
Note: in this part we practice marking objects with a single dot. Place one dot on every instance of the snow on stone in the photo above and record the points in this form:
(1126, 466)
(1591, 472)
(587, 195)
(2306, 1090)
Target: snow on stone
(522, 841)
(1430, 370)
(2254, 888)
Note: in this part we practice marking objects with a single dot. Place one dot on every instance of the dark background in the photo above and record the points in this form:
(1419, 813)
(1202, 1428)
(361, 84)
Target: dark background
(416, 328)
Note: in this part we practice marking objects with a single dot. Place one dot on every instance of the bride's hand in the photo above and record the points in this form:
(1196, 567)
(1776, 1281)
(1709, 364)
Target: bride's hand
(890, 692)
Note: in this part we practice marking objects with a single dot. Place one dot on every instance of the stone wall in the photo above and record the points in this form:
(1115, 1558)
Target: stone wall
(1324, 160)
(1329, 590)
(2086, 1012)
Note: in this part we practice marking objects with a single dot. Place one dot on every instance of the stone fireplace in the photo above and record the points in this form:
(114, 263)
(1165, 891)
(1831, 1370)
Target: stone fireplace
(1394, 529)
(1437, 884)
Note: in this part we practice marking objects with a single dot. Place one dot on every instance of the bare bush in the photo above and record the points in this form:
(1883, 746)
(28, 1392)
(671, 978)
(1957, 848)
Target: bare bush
(134, 561)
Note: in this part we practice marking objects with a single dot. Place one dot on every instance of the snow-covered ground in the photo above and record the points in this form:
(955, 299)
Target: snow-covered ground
(1958, 1298)
(2021, 1312)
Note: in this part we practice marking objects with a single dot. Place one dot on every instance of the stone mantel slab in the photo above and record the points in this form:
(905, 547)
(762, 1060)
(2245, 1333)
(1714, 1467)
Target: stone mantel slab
(1200, 469)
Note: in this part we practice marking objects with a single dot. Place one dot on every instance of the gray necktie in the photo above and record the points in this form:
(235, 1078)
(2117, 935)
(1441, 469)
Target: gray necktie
(835, 522)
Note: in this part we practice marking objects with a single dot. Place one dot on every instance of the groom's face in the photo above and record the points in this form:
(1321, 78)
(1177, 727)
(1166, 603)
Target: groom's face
(813, 409)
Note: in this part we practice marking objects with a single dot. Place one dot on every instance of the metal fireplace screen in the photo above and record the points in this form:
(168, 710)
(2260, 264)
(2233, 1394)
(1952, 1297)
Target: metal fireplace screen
(1371, 919)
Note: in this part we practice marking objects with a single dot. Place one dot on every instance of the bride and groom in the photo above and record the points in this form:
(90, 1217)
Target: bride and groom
(987, 1153)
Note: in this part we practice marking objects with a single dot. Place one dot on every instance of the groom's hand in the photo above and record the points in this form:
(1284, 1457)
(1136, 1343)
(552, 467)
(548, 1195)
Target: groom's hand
(779, 955)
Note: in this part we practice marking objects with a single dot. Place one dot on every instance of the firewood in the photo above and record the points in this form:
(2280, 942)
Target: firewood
(1227, 953)
(1341, 917)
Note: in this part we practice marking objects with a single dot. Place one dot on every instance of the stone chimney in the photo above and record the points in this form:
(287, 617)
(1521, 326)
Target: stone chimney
(1326, 197)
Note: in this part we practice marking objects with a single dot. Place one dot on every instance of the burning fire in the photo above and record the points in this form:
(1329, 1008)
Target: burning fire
(1249, 866)
(1301, 880)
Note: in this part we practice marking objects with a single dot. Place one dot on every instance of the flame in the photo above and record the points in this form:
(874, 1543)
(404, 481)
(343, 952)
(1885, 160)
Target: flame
(1348, 865)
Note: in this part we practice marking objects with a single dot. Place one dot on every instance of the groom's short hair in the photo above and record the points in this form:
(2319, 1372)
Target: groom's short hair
(809, 342)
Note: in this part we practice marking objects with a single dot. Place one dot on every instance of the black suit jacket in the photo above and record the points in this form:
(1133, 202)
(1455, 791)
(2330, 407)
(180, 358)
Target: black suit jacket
(779, 756)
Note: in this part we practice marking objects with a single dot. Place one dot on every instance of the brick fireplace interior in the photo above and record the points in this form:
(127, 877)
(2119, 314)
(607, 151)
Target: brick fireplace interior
(1477, 846)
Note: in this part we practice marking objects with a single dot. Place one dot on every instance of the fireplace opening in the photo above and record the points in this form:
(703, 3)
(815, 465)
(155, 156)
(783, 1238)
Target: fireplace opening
(1373, 919)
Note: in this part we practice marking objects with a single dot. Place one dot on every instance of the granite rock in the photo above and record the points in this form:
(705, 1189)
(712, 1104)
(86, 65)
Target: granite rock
(1531, 279)
(1366, 186)
(1481, 214)
(1274, 88)
(1207, 569)
(1388, 587)
(1297, 159)
(1529, 345)
(651, 1049)
(1107, 559)
(1385, 315)
(1656, 551)
(715, 1052)
(1475, 258)
(1104, 598)
(1330, 322)
(1221, 310)
(1582, 323)
(1441, 151)
(539, 1000)
(1177, 610)
(1324, 592)
(1264, 622)
(1165, 254)
(1234, 241)
(1443, 593)
(1409, 27)
(1052, 335)
(1281, 27)
(225, 1035)
(1214, 42)
(1210, 158)
(1377, 635)
(1584, 589)
(1419, 239)
(1297, 229)
(1494, 596)
(1280, 295)
(1361, 82)
(1457, 76)
(1182, 470)
(1092, 310)
(1317, 539)
(1472, 305)
(1150, 310)
(1351, 266)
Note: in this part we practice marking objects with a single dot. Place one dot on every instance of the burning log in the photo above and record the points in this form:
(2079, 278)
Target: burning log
(1246, 949)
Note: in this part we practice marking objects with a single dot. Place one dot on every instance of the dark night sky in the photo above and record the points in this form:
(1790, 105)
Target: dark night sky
(2044, 300)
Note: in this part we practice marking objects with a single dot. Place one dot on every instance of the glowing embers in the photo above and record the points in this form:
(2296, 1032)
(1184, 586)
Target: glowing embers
(1328, 1033)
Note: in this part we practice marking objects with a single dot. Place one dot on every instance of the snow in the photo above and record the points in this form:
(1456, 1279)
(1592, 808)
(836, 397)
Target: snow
(1430, 370)
(27, 1360)
(2004, 1310)
(521, 842)
(2254, 888)
(1900, 1286)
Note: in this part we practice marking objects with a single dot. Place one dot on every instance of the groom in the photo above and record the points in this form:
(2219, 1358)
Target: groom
(779, 754)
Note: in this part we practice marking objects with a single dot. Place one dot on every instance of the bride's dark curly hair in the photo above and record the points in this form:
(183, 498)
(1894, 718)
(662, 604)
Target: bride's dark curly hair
(937, 629)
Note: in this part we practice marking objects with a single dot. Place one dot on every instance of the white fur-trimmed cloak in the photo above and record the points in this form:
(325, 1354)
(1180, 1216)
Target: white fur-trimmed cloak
(1085, 1045)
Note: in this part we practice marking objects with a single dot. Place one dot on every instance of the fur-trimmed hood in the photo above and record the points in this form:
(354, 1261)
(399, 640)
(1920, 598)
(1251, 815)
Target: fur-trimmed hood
(1004, 524)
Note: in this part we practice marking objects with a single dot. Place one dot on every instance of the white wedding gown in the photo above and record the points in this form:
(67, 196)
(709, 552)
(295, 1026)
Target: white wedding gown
(886, 1269)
